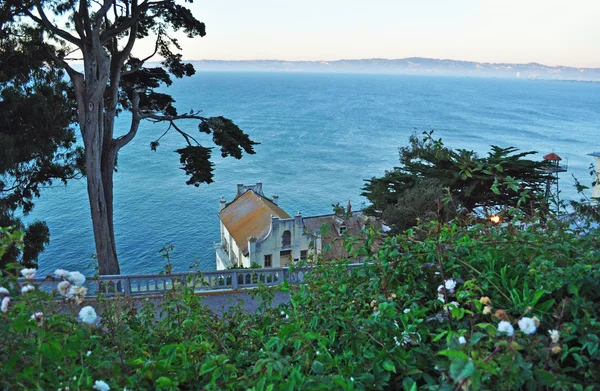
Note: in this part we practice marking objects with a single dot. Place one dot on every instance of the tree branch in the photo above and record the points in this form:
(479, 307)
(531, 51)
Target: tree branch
(129, 23)
(120, 142)
(99, 15)
(43, 21)
(141, 64)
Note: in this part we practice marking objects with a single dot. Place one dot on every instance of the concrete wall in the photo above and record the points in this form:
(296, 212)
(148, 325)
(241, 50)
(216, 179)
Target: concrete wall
(272, 243)
(235, 255)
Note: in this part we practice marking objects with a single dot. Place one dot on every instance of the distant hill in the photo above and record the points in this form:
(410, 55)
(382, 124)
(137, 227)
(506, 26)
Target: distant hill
(413, 65)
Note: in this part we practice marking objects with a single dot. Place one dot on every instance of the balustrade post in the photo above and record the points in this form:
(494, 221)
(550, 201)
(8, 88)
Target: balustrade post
(234, 280)
(127, 286)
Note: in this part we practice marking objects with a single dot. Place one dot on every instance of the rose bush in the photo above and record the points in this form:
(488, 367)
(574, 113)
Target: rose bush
(441, 307)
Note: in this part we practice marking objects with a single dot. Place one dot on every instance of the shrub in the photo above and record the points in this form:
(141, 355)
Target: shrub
(510, 306)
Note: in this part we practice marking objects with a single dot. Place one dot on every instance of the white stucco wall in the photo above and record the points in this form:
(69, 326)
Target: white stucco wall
(272, 243)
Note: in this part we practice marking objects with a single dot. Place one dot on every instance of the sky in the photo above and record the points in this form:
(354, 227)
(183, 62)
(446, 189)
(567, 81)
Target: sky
(550, 32)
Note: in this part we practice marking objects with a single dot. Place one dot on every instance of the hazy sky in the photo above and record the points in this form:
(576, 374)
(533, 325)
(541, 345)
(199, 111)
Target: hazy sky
(545, 31)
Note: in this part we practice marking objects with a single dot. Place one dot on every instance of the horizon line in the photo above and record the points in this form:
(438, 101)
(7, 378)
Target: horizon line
(395, 59)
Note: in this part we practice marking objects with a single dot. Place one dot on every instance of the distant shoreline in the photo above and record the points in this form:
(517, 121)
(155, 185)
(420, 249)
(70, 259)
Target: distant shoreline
(409, 66)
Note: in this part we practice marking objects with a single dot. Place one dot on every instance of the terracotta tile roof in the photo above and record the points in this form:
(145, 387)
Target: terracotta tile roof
(552, 156)
(249, 215)
(332, 237)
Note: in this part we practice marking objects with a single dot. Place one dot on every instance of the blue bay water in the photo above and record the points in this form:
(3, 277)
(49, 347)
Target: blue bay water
(321, 136)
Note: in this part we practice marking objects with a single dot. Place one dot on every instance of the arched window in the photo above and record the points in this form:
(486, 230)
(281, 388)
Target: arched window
(286, 239)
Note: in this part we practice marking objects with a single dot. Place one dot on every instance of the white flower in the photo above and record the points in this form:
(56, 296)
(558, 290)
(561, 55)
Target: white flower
(527, 325)
(3, 291)
(397, 342)
(440, 288)
(101, 385)
(453, 304)
(462, 340)
(77, 294)
(441, 298)
(351, 378)
(63, 287)
(410, 338)
(406, 310)
(554, 335)
(37, 316)
(505, 327)
(62, 273)
(88, 314)
(27, 288)
(450, 284)
(28, 273)
(76, 278)
(5, 303)
(89, 353)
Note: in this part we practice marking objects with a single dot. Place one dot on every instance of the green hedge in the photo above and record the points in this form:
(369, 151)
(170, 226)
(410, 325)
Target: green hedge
(422, 315)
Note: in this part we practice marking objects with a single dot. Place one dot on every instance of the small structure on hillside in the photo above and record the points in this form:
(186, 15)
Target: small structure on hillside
(596, 182)
(553, 170)
(255, 230)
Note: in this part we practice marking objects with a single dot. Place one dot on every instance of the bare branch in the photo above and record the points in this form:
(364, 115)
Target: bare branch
(83, 11)
(120, 142)
(100, 14)
(141, 64)
(185, 135)
(129, 23)
(163, 118)
(43, 21)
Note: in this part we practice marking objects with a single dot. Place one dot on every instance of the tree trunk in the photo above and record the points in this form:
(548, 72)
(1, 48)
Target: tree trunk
(98, 152)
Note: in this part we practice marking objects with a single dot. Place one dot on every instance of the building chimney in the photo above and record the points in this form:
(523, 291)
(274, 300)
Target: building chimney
(240, 190)
(298, 219)
(222, 204)
(349, 207)
(275, 199)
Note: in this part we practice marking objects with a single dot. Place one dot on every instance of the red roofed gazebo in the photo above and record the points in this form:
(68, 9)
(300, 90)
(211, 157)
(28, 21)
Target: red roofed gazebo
(552, 156)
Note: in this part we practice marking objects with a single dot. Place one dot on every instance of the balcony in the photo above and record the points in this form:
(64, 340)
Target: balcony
(222, 256)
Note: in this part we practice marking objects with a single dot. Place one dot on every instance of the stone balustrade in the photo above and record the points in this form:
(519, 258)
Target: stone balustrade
(204, 281)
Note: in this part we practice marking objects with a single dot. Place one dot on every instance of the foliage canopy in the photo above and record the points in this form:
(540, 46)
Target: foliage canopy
(431, 174)
(36, 137)
(422, 314)
(113, 80)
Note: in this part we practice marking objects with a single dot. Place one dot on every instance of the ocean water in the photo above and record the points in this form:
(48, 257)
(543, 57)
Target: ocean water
(321, 136)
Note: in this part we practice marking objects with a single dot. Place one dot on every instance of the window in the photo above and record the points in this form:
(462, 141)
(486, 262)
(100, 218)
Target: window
(225, 246)
(285, 253)
(303, 254)
(342, 228)
(268, 260)
(286, 239)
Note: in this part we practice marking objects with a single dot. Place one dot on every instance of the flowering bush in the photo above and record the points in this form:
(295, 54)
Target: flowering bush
(454, 307)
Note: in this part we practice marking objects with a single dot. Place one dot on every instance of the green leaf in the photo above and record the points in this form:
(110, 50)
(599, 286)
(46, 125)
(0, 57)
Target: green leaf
(409, 384)
(475, 337)
(545, 378)
(208, 366)
(460, 369)
(454, 354)
(388, 365)
(163, 382)
(318, 367)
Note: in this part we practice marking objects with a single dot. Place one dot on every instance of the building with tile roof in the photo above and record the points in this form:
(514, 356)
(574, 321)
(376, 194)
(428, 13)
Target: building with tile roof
(255, 230)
